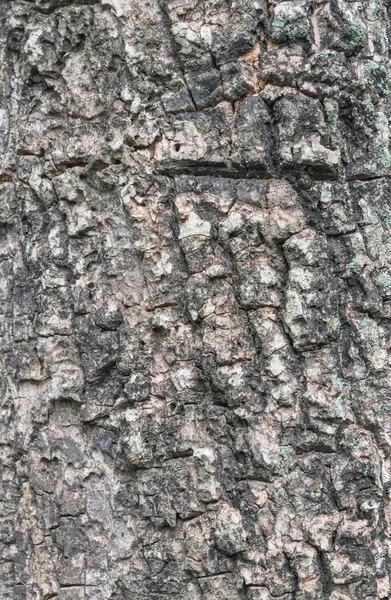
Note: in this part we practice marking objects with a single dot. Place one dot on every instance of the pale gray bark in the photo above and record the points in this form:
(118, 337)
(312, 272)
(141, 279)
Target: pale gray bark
(195, 300)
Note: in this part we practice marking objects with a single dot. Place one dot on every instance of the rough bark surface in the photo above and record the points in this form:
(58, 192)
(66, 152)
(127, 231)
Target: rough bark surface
(195, 244)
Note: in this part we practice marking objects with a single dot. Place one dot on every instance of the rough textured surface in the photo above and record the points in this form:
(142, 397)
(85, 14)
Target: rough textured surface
(195, 245)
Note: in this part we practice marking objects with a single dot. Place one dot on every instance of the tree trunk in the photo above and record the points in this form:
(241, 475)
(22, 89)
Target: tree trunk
(196, 300)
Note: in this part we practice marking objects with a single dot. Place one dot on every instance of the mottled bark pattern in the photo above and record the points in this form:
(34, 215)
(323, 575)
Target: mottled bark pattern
(195, 244)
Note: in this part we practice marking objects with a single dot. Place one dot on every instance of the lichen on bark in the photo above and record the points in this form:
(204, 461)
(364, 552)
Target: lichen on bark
(195, 233)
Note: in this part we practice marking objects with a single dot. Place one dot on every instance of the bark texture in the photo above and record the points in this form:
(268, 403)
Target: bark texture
(195, 244)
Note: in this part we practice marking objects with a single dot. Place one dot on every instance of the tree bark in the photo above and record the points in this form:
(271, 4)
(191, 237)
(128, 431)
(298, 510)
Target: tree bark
(196, 300)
